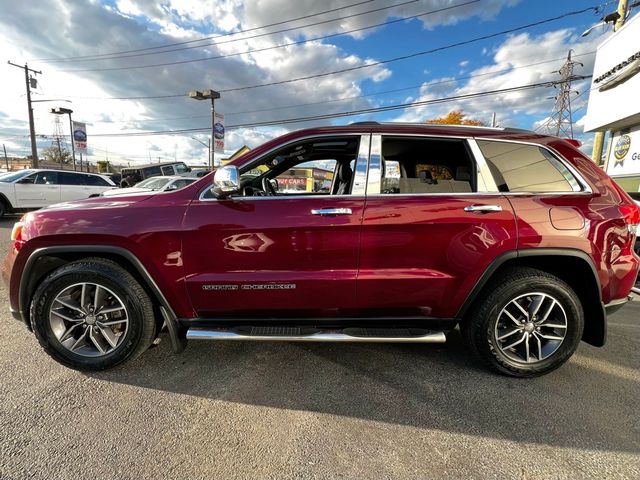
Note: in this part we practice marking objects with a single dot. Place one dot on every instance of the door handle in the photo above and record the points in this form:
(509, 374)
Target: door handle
(327, 212)
(483, 208)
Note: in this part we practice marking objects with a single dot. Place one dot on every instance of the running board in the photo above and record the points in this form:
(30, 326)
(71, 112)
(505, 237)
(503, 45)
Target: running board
(297, 334)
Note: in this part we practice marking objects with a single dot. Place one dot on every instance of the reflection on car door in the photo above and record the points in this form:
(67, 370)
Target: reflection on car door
(253, 256)
(37, 190)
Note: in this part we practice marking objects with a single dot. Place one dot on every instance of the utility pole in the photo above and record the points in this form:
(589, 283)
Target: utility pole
(598, 140)
(6, 159)
(205, 95)
(493, 120)
(560, 122)
(32, 130)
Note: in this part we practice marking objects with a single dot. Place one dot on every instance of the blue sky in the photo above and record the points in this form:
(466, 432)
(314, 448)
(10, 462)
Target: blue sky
(66, 28)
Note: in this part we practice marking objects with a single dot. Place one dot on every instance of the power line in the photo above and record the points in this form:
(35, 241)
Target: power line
(374, 94)
(289, 29)
(202, 39)
(368, 65)
(273, 47)
(344, 114)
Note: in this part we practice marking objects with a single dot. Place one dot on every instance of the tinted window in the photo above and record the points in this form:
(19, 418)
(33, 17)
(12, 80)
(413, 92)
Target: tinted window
(96, 181)
(425, 165)
(526, 168)
(46, 178)
(167, 170)
(152, 172)
(182, 168)
(68, 178)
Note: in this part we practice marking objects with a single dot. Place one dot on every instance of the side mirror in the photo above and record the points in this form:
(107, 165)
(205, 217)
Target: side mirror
(226, 181)
(173, 186)
(26, 180)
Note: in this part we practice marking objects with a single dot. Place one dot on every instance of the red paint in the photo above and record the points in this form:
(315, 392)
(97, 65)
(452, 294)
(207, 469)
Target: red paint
(395, 255)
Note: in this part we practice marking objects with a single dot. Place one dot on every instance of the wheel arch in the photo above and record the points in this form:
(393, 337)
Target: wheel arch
(44, 260)
(572, 266)
(8, 208)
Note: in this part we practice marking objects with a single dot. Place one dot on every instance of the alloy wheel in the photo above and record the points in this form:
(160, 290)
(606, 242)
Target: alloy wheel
(88, 319)
(531, 328)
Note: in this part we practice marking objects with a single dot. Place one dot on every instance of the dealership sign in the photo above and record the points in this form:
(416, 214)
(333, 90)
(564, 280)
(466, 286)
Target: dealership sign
(613, 97)
(218, 132)
(80, 137)
(624, 154)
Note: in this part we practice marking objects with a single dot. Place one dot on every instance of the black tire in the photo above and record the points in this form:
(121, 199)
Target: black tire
(141, 329)
(3, 208)
(479, 329)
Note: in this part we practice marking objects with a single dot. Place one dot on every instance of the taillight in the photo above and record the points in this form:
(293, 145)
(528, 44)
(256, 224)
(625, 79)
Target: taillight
(631, 214)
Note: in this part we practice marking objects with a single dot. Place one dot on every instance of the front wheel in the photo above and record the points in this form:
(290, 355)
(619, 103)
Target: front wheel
(528, 323)
(92, 315)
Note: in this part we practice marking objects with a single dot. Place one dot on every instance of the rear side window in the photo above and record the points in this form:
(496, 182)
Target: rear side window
(518, 167)
(96, 181)
(167, 170)
(67, 178)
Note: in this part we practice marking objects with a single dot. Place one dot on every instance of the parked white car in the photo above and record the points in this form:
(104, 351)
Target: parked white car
(155, 185)
(31, 189)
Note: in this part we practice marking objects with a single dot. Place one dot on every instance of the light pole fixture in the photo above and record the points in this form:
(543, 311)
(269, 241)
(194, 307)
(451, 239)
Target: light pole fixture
(206, 95)
(204, 144)
(67, 111)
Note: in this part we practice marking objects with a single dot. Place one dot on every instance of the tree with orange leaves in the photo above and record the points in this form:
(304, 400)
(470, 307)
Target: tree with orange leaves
(456, 117)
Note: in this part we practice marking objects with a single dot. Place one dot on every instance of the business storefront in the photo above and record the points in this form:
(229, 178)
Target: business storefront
(614, 103)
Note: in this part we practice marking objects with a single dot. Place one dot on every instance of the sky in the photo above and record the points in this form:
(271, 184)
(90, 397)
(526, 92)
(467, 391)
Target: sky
(96, 55)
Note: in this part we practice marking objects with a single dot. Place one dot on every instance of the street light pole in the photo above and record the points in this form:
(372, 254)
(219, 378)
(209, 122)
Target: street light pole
(208, 94)
(68, 111)
(32, 129)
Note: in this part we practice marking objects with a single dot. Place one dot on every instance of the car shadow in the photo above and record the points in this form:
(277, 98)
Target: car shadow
(426, 386)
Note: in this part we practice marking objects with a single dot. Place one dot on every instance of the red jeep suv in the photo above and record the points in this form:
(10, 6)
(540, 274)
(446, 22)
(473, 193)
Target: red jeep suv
(362, 233)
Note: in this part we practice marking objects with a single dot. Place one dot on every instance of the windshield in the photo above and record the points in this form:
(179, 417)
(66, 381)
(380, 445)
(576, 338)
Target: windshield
(153, 183)
(10, 177)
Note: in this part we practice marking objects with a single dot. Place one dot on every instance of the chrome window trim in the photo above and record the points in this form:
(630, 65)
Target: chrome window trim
(374, 181)
(586, 188)
(361, 159)
(360, 178)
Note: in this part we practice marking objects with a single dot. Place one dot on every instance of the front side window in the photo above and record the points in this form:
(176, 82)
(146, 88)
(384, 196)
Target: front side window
(526, 168)
(411, 165)
(167, 170)
(319, 166)
(46, 178)
(181, 168)
(152, 172)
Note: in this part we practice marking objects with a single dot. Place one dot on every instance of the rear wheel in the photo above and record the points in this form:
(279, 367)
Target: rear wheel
(528, 323)
(92, 315)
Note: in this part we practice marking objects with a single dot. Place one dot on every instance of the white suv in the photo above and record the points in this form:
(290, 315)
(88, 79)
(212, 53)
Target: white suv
(34, 188)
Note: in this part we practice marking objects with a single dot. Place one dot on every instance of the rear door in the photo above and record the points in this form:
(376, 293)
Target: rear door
(433, 222)
(37, 190)
(74, 186)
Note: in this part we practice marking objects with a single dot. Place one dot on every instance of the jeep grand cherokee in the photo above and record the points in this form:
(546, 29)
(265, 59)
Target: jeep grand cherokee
(360, 233)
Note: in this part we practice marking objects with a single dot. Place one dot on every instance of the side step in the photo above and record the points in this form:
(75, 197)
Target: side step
(298, 334)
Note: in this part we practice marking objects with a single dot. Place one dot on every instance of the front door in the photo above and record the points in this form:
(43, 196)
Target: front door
(287, 246)
(37, 190)
(432, 224)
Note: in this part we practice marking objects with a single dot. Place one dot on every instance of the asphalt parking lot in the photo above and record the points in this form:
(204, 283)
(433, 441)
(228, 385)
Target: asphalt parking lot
(252, 410)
